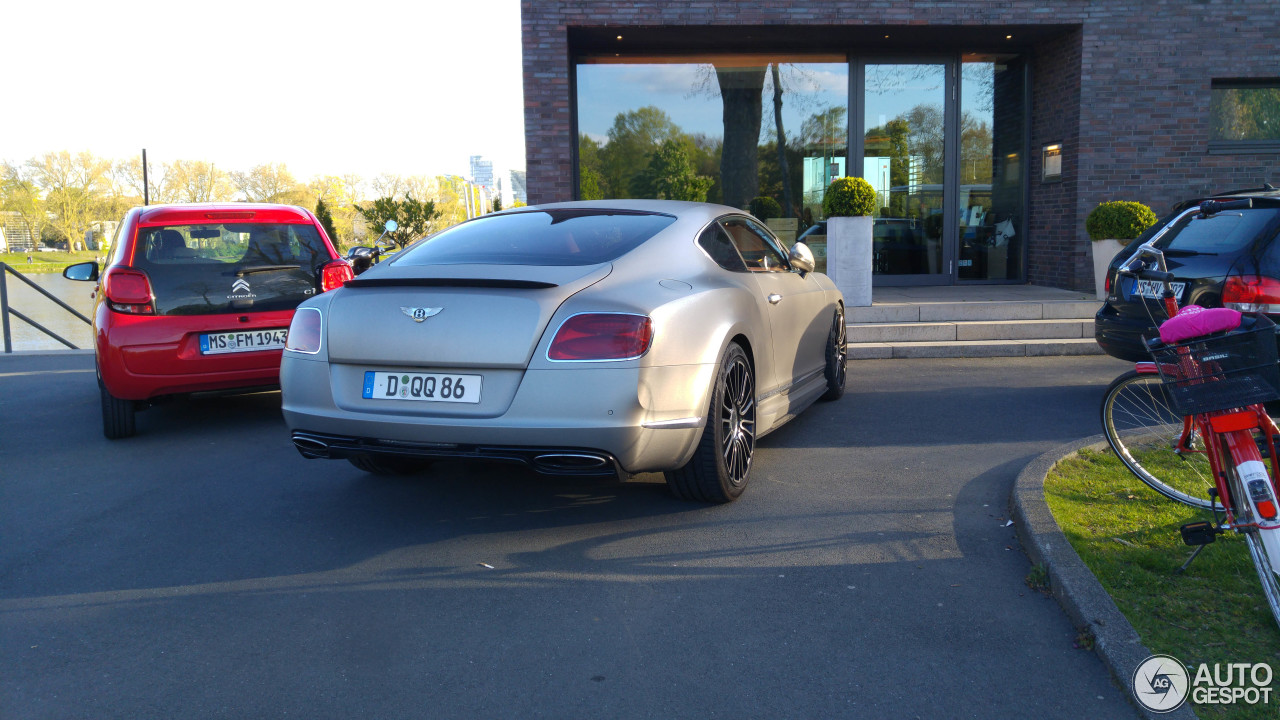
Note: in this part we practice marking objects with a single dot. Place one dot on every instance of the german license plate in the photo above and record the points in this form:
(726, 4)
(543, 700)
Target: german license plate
(245, 341)
(1155, 289)
(425, 387)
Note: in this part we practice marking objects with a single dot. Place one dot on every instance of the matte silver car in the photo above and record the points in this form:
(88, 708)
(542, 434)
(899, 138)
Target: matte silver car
(587, 338)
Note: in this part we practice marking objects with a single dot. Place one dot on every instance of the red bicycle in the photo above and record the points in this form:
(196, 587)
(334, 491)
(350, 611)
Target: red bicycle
(1191, 423)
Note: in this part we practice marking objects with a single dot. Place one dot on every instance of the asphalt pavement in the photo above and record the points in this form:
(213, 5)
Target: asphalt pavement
(204, 569)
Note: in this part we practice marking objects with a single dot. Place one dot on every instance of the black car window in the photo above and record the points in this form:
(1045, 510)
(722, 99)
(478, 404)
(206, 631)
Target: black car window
(539, 237)
(715, 241)
(232, 267)
(756, 247)
(1227, 231)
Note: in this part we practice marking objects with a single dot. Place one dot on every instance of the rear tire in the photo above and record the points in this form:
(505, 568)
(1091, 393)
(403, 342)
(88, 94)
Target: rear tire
(837, 357)
(1144, 431)
(117, 415)
(379, 465)
(720, 467)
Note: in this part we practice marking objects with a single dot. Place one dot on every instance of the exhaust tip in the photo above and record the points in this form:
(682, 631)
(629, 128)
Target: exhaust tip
(311, 447)
(570, 463)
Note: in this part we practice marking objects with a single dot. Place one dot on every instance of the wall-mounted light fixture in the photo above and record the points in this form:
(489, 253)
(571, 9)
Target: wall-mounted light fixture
(1051, 163)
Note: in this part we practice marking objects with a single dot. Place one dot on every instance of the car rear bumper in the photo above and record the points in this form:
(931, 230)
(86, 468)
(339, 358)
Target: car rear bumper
(145, 357)
(625, 418)
(1122, 337)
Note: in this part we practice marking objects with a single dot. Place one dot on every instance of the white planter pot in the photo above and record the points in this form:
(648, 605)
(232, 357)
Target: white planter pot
(849, 258)
(1104, 251)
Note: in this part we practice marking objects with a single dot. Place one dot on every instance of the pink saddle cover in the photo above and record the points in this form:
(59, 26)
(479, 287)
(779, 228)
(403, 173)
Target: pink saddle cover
(1194, 321)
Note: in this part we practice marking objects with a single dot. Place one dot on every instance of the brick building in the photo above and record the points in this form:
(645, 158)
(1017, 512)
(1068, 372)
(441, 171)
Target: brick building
(989, 128)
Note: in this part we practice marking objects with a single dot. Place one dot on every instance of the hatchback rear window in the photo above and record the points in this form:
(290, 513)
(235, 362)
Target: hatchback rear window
(539, 237)
(1227, 231)
(231, 267)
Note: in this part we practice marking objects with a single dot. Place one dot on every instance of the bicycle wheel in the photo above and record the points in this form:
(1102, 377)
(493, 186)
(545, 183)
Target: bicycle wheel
(1144, 432)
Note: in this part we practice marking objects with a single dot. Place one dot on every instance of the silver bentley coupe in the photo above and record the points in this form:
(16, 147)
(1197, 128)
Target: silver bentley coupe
(588, 338)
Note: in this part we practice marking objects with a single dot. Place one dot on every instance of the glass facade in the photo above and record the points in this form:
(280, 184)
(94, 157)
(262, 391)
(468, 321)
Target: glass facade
(942, 141)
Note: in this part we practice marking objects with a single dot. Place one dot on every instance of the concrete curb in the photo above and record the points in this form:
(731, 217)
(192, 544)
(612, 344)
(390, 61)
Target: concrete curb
(1072, 583)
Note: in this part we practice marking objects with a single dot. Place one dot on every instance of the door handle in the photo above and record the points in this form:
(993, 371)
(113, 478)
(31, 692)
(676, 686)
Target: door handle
(775, 298)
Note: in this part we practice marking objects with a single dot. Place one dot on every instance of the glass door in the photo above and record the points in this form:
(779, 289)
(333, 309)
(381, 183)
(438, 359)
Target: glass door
(904, 155)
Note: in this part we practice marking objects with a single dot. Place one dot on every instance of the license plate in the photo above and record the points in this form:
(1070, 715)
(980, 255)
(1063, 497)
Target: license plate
(1155, 289)
(245, 341)
(425, 387)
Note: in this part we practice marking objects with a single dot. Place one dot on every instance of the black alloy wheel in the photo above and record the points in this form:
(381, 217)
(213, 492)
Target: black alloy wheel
(721, 465)
(837, 357)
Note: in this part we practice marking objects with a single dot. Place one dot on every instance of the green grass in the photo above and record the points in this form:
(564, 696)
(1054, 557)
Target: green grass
(1128, 536)
(46, 262)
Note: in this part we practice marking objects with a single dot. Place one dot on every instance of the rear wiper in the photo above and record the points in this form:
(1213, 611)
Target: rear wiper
(264, 268)
(1186, 253)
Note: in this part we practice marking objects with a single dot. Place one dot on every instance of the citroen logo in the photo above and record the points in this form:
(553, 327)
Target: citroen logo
(240, 285)
(420, 314)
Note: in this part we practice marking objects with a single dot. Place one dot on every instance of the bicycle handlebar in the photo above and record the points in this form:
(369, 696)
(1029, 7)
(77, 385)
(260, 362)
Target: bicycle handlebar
(1209, 207)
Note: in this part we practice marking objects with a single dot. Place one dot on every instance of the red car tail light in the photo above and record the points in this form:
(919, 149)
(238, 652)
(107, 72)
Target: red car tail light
(305, 331)
(602, 336)
(128, 291)
(335, 275)
(1251, 293)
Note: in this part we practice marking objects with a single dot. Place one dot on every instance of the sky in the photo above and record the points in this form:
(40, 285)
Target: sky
(328, 88)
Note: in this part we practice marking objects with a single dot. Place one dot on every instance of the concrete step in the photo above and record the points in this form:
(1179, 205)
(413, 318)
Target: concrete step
(970, 330)
(904, 312)
(974, 348)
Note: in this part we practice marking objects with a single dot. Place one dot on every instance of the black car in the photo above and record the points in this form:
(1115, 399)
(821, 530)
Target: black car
(1227, 259)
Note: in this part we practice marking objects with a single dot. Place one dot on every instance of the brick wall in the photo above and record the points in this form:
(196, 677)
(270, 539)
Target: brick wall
(1123, 85)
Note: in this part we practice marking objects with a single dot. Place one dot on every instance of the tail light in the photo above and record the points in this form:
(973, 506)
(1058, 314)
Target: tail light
(335, 275)
(602, 336)
(1107, 284)
(304, 331)
(128, 291)
(1251, 293)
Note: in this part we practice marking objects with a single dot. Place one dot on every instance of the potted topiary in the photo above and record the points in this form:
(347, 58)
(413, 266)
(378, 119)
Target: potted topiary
(1111, 226)
(848, 204)
(765, 208)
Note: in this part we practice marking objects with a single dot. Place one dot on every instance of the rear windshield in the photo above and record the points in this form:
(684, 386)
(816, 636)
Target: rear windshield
(1227, 231)
(552, 237)
(230, 267)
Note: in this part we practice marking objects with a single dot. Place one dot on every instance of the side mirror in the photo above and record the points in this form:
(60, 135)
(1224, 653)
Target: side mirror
(359, 251)
(801, 258)
(85, 271)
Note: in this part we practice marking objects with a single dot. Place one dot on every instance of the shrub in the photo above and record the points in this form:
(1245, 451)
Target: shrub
(765, 208)
(849, 197)
(1119, 220)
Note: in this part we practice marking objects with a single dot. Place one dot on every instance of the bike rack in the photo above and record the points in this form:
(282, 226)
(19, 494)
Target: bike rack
(6, 311)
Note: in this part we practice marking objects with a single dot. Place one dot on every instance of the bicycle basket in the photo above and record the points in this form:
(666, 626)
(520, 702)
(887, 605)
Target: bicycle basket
(1222, 371)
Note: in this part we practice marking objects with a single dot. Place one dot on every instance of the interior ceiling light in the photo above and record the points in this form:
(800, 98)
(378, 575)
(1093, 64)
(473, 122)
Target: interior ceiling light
(619, 37)
(1008, 37)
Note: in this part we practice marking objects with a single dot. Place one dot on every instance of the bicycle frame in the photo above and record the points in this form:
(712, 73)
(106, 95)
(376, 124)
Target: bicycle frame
(1227, 434)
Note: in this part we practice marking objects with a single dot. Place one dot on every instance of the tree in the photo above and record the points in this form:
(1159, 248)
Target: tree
(326, 220)
(740, 91)
(590, 179)
(194, 181)
(497, 203)
(269, 182)
(71, 185)
(19, 194)
(634, 136)
(670, 176)
(413, 217)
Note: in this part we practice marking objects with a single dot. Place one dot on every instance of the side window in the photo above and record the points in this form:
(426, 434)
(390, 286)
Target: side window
(756, 246)
(715, 241)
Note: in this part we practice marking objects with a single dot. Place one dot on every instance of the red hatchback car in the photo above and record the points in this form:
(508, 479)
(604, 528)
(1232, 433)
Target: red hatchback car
(198, 298)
